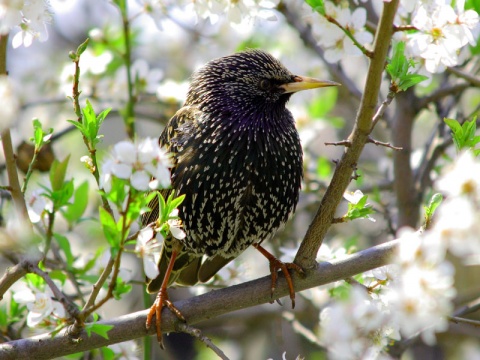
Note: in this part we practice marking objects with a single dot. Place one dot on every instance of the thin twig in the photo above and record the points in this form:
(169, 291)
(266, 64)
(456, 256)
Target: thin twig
(349, 34)
(459, 320)
(381, 143)
(403, 28)
(69, 306)
(306, 35)
(472, 79)
(196, 333)
(381, 109)
(346, 143)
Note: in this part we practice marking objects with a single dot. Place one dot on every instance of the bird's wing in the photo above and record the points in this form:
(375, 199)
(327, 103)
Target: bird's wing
(171, 138)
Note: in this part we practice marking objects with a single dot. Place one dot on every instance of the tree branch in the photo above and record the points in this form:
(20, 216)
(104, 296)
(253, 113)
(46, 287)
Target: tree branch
(199, 308)
(359, 136)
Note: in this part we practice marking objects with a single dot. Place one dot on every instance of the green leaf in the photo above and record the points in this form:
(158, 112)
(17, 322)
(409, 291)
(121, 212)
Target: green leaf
(411, 80)
(64, 245)
(79, 126)
(40, 137)
(121, 288)
(74, 211)
(101, 117)
(58, 275)
(62, 196)
(57, 173)
(398, 69)
(108, 354)
(162, 207)
(35, 281)
(317, 5)
(172, 204)
(99, 329)
(454, 125)
(464, 135)
(434, 203)
(109, 228)
(82, 47)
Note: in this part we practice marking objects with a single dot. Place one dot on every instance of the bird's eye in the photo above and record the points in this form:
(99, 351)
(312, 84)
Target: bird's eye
(265, 84)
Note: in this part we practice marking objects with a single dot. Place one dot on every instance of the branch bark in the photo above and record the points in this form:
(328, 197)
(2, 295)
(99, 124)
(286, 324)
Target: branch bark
(199, 308)
(359, 136)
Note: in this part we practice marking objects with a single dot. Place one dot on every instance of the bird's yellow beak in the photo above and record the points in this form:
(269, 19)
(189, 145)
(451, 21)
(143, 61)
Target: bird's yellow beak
(306, 83)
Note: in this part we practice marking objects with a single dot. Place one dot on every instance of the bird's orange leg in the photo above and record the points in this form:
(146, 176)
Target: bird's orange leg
(162, 300)
(275, 265)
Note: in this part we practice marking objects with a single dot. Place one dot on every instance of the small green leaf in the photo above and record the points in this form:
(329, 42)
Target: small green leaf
(64, 245)
(434, 203)
(62, 196)
(57, 173)
(464, 135)
(109, 227)
(162, 207)
(74, 211)
(99, 329)
(398, 69)
(82, 47)
(317, 5)
(40, 137)
(174, 203)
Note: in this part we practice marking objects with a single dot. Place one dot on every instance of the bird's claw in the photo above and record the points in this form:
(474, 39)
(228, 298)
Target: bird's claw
(275, 265)
(156, 309)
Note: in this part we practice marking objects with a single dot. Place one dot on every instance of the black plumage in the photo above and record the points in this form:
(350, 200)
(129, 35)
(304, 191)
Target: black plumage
(237, 159)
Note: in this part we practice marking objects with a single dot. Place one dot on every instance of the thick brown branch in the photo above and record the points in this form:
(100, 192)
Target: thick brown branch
(11, 276)
(199, 308)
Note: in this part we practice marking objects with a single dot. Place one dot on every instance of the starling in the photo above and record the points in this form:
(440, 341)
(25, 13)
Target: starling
(237, 159)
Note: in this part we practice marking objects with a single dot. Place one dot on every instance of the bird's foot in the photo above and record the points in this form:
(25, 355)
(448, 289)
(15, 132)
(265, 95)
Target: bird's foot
(160, 301)
(275, 265)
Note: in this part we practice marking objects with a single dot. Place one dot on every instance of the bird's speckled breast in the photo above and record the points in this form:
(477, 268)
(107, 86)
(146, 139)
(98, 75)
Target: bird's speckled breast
(241, 178)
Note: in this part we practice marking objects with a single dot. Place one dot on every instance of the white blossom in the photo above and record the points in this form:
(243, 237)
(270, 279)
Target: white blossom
(38, 205)
(146, 79)
(40, 305)
(355, 327)
(462, 178)
(175, 226)
(35, 17)
(10, 14)
(336, 43)
(441, 33)
(421, 297)
(138, 163)
(149, 247)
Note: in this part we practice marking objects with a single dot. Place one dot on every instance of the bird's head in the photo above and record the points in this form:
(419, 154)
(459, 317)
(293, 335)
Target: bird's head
(249, 79)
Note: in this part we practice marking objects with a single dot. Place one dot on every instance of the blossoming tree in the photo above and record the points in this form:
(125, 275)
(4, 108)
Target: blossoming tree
(386, 227)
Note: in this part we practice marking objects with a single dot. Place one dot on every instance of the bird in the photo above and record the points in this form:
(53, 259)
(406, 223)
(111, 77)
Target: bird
(238, 162)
